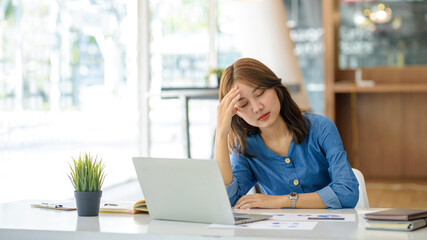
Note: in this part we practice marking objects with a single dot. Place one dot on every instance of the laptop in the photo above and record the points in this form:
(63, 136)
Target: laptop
(187, 190)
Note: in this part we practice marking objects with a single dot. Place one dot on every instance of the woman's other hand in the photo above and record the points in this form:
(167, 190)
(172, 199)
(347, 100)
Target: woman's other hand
(261, 201)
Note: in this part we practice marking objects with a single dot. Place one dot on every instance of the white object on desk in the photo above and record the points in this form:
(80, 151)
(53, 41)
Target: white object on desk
(330, 217)
(270, 225)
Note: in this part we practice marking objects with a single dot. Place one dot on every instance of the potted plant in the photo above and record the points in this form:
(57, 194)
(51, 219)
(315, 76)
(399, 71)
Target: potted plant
(87, 176)
(215, 71)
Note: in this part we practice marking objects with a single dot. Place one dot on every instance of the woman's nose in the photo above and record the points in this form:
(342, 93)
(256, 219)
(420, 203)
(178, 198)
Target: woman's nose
(257, 106)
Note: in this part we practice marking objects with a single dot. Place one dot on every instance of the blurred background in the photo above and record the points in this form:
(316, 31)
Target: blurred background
(125, 78)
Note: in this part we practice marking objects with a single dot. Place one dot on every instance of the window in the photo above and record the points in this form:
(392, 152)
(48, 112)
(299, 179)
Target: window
(179, 43)
(180, 59)
(305, 27)
(67, 85)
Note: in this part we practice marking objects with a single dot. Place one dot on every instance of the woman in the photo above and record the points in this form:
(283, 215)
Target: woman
(297, 159)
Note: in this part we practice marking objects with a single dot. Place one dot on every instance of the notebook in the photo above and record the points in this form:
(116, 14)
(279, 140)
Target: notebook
(123, 207)
(397, 214)
(396, 225)
(187, 190)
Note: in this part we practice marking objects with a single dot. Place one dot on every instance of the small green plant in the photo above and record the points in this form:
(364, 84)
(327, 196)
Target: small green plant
(217, 71)
(87, 174)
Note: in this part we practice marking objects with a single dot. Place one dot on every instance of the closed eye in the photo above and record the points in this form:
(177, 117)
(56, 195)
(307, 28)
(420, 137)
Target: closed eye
(260, 93)
(244, 105)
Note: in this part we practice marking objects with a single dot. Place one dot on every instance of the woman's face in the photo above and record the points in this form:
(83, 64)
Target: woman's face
(258, 107)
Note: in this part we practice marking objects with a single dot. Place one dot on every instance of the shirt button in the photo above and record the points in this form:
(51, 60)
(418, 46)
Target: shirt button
(296, 182)
(287, 160)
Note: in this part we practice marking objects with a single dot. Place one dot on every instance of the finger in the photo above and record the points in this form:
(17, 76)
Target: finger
(247, 206)
(234, 102)
(244, 200)
(240, 205)
(232, 90)
(227, 107)
(235, 110)
(230, 96)
(249, 203)
(240, 202)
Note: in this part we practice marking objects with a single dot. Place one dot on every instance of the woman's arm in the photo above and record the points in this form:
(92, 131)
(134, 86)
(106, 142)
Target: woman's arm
(226, 111)
(343, 190)
(305, 200)
(223, 158)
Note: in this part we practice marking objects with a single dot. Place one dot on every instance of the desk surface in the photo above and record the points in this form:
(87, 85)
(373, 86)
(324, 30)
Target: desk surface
(20, 221)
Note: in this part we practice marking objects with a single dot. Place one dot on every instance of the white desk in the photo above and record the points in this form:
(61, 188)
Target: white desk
(20, 221)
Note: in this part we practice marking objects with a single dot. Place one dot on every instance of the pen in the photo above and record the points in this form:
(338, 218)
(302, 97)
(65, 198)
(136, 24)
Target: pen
(49, 205)
(111, 204)
(325, 218)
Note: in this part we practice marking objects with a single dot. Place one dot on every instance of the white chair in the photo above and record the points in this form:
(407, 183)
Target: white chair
(363, 195)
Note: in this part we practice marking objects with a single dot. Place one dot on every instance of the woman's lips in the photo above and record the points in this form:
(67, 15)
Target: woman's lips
(264, 117)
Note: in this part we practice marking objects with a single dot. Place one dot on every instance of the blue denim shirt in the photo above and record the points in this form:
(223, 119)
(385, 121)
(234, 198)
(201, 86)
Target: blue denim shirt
(319, 164)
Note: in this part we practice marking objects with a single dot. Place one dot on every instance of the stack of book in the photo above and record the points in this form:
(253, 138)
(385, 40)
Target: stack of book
(398, 219)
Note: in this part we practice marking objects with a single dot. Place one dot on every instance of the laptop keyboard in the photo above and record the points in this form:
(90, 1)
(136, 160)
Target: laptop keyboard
(240, 218)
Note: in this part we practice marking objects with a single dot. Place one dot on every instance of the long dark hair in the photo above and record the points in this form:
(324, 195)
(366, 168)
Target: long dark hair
(256, 74)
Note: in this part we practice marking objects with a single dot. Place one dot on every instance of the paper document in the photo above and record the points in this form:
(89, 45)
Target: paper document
(313, 217)
(55, 206)
(270, 224)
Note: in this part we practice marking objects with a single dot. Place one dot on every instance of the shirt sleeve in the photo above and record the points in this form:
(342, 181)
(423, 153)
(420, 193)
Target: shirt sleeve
(343, 191)
(243, 177)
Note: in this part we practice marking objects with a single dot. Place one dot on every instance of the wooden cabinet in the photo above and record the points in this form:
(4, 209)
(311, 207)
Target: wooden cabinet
(383, 127)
